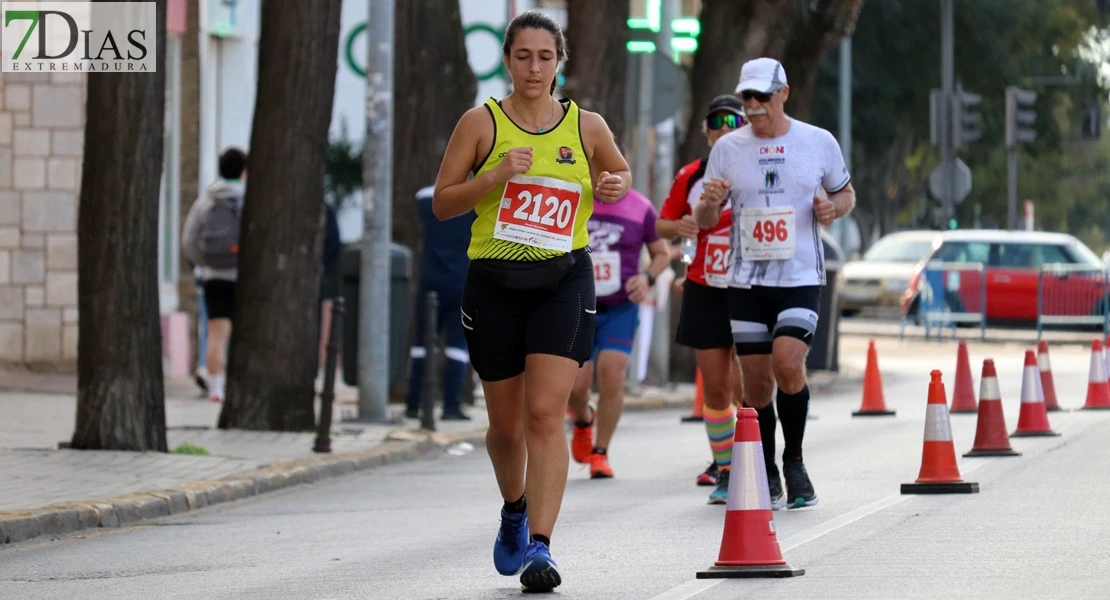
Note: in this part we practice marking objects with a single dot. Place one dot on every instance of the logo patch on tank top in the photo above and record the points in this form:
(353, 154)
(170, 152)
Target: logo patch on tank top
(566, 156)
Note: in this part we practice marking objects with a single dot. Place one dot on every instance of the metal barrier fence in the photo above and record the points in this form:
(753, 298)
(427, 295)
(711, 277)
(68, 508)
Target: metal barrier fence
(1072, 295)
(952, 294)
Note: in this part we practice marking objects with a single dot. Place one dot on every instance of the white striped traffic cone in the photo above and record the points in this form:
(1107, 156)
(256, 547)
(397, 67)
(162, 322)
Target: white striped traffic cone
(1033, 418)
(749, 547)
(990, 431)
(939, 473)
(1098, 389)
(1048, 384)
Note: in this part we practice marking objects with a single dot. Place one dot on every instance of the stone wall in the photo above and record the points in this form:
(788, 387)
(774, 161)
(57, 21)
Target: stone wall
(42, 118)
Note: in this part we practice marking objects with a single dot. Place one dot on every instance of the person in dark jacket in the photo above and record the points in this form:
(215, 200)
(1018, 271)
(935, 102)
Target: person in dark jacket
(443, 268)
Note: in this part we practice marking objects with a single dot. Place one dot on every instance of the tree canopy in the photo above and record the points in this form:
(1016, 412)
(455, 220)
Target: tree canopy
(896, 61)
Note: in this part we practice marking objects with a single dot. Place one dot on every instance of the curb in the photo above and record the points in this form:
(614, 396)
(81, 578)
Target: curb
(68, 517)
(401, 445)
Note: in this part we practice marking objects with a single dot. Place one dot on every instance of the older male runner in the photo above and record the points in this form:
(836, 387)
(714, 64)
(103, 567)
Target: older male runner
(772, 171)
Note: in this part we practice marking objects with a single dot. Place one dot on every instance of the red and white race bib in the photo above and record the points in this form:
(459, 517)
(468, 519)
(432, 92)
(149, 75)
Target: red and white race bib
(538, 212)
(767, 233)
(718, 251)
(607, 273)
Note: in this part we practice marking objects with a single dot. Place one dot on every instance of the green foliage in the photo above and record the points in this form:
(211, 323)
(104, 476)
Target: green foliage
(343, 174)
(187, 448)
(896, 61)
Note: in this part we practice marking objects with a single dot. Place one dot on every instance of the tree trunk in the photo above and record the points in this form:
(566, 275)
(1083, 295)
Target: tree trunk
(189, 165)
(120, 391)
(736, 31)
(433, 71)
(597, 40)
(276, 322)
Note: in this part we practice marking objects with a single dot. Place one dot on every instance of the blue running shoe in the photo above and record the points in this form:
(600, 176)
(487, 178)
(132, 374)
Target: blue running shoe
(541, 574)
(512, 543)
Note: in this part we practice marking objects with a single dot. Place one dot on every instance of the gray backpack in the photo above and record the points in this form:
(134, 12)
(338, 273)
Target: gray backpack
(218, 234)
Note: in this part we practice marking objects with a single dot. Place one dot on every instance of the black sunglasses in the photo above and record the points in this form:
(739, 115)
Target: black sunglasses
(718, 120)
(759, 96)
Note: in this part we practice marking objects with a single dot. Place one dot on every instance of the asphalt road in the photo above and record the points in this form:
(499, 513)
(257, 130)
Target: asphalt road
(424, 530)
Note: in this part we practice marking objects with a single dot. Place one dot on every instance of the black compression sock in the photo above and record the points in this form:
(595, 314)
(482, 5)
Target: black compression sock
(542, 538)
(517, 507)
(767, 426)
(793, 410)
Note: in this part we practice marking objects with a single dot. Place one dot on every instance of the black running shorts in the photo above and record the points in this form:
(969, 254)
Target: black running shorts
(760, 314)
(219, 298)
(703, 317)
(512, 310)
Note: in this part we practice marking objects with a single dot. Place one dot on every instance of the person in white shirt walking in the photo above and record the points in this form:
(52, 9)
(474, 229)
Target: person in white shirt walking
(774, 171)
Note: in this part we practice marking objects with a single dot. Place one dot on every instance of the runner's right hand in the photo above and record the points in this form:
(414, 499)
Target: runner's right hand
(688, 227)
(716, 191)
(517, 160)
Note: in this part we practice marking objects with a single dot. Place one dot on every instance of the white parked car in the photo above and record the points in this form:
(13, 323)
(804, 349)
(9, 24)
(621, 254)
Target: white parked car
(879, 278)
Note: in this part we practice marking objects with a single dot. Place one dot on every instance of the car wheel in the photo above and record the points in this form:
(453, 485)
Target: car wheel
(849, 312)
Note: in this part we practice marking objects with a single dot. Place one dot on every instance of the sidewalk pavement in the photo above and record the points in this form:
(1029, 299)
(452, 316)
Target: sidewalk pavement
(52, 492)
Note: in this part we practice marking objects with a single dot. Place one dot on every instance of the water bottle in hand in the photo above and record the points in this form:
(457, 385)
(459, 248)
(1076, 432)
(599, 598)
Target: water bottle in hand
(689, 249)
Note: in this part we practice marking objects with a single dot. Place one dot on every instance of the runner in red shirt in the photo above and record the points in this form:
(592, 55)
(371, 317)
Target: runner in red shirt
(703, 323)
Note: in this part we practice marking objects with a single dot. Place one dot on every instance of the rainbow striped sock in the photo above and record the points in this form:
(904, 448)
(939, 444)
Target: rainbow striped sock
(721, 427)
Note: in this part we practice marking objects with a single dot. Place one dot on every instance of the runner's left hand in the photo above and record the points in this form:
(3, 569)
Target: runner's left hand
(608, 187)
(824, 210)
(637, 288)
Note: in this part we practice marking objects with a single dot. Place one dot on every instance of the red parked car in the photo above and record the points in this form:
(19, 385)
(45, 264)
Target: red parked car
(1008, 268)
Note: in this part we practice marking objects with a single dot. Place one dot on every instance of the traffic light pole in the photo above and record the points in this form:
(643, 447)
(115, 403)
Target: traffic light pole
(1011, 187)
(947, 77)
(373, 322)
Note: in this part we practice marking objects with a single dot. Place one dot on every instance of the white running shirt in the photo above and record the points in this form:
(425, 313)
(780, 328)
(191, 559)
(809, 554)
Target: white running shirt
(776, 241)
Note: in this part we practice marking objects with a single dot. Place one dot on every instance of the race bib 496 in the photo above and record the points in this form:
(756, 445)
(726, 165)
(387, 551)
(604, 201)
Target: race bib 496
(767, 233)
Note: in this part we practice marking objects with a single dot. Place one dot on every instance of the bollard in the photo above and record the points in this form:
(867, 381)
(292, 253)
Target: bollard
(430, 387)
(327, 395)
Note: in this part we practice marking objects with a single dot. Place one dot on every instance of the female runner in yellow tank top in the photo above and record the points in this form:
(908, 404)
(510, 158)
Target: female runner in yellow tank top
(528, 304)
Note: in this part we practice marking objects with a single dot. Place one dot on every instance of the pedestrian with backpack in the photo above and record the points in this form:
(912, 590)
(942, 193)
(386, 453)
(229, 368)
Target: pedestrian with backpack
(211, 240)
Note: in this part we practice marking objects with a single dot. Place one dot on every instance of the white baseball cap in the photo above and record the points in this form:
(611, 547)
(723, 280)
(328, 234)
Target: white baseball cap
(761, 75)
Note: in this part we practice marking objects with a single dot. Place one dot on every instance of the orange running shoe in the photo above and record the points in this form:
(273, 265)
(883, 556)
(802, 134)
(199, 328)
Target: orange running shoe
(582, 444)
(599, 467)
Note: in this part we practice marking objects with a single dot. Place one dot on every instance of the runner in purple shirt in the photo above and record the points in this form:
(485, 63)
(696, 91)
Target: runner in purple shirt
(618, 234)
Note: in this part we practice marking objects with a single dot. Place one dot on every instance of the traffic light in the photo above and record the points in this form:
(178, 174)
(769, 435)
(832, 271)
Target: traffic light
(966, 119)
(1092, 122)
(951, 223)
(1021, 115)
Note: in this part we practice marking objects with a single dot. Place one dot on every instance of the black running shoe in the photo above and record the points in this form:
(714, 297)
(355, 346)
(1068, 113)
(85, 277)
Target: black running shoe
(774, 486)
(709, 477)
(799, 490)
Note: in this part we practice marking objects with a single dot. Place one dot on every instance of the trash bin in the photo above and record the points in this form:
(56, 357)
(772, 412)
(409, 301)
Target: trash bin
(400, 312)
(824, 352)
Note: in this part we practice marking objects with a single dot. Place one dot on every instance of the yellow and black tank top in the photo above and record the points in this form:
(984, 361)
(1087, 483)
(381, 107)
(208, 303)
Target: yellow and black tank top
(541, 214)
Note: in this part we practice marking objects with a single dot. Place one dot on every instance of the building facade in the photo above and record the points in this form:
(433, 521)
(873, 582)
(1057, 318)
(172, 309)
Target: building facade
(42, 136)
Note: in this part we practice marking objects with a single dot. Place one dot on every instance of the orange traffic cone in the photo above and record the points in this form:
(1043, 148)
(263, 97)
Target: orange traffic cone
(1098, 390)
(939, 473)
(749, 547)
(990, 431)
(1033, 418)
(873, 404)
(963, 392)
(1105, 364)
(1047, 383)
(696, 415)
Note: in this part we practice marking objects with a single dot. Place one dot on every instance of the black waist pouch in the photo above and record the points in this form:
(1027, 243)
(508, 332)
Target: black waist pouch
(540, 275)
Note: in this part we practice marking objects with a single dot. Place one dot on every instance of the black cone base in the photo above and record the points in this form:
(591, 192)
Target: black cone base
(959, 487)
(748, 572)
